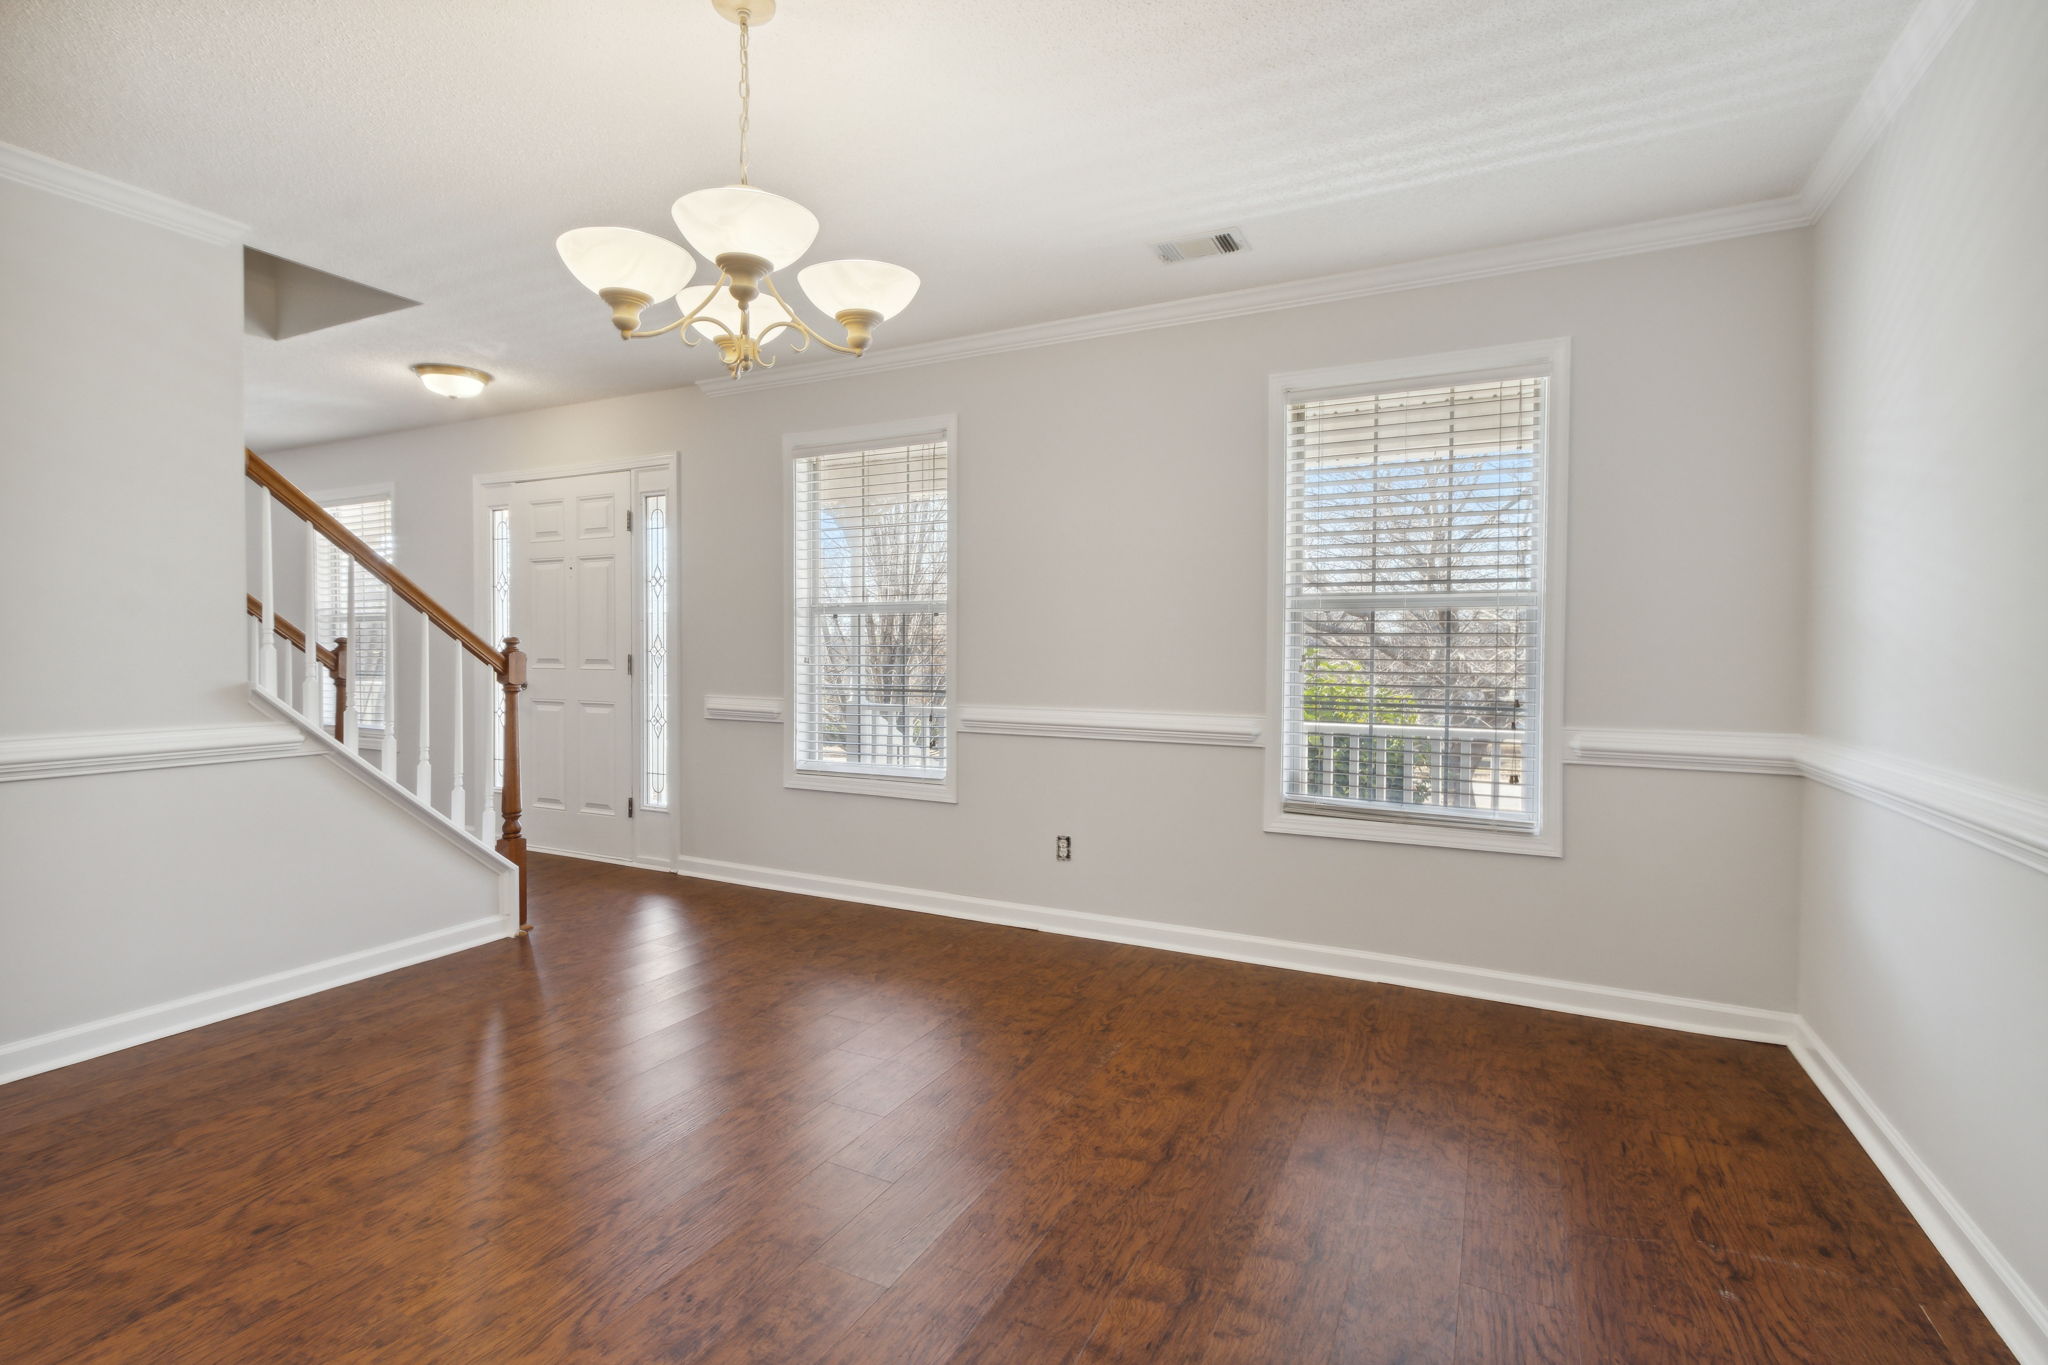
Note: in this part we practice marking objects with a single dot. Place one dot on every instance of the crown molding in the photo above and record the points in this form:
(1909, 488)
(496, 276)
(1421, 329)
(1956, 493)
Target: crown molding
(1744, 220)
(1926, 33)
(1157, 727)
(90, 187)
(27, 757)
(1711, 751)
(743, 708)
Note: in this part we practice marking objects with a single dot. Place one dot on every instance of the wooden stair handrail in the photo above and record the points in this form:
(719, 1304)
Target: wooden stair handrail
(311, 512)
(295, 637)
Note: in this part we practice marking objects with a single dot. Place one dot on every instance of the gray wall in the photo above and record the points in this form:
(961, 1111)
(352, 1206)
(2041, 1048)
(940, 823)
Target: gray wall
(1112, 554)
(121, 408)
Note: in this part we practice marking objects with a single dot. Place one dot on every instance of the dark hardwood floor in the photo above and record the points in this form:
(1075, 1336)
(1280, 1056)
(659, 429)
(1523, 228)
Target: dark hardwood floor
(696, 1122)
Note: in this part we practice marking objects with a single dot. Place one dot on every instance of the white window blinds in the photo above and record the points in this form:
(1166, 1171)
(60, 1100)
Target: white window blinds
(368, 631)
(1414, 564)
(871, 581)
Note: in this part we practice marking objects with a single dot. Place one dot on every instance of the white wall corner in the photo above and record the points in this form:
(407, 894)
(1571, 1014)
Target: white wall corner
(743, 708)
(1927, 31)
(2014, 1309)
(40, 172)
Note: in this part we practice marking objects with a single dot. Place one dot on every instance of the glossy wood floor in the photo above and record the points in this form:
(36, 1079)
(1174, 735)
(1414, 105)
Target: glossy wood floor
(694, 1122)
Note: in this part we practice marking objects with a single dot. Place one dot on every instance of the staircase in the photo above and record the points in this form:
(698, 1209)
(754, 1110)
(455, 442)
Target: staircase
(292, 671)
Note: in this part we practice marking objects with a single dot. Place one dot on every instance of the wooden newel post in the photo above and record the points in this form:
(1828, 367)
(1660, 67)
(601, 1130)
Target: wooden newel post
(340, 674)
(512, 843)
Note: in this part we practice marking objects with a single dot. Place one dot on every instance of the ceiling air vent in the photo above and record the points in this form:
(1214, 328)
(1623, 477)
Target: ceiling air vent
(1213, 244)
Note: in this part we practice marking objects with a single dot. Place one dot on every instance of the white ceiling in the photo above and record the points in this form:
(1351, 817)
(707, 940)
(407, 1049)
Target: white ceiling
(1020, 157)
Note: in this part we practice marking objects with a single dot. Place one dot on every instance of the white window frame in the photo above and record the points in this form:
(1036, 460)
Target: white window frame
(847, 439)
(1550, 359)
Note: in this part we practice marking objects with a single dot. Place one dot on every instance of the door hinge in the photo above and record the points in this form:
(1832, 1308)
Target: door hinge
(629, 808)
(629, 519)
(629, 665)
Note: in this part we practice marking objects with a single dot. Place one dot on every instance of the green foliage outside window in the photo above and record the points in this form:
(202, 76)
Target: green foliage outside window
(1335, 692)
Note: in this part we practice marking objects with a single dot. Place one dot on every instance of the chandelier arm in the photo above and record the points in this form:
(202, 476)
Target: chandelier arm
(803, 334)
(687, 318)
(768, 283)
(654, 332)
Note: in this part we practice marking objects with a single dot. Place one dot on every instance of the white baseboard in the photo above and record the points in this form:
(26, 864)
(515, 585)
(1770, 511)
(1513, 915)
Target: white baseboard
(2013, 1308)
(651, 864)
(48, 1051)
(1572, 997)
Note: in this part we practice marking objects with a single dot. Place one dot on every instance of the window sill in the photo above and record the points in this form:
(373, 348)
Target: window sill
(1544, 844)
(864, 784)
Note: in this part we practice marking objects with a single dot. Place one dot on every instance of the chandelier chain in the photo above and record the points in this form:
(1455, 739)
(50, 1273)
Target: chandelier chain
(746, 96)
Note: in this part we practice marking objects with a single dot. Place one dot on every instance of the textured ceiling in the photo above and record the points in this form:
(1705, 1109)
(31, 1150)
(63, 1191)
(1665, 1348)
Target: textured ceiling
(1020, 157)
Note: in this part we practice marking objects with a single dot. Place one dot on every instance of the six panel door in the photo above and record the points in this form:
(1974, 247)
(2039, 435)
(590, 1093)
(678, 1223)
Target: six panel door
(572, 607)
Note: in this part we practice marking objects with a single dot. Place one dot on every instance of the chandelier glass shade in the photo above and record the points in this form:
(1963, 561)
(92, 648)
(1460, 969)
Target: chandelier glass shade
(741, 219)
(845, 286)
(748, 234)
(626, 258)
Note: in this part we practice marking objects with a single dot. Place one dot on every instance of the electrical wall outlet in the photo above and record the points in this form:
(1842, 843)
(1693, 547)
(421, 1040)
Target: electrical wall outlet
(1063, 848)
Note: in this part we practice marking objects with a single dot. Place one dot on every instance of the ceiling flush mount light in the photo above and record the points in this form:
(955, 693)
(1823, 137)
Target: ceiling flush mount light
(452, 381)
(749, 234)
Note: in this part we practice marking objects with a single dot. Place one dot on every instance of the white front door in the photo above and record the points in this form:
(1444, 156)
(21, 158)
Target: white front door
(572, 609)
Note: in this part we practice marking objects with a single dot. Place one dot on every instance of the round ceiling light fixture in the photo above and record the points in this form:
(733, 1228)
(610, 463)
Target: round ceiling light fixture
(452, 381)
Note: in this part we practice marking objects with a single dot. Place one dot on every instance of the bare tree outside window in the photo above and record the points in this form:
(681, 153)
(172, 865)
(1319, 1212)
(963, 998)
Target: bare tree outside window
(1413, 557)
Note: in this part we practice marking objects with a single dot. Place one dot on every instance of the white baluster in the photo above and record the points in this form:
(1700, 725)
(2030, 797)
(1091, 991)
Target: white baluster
(455, 792)
(387, 756)
(255, 655)
(266, 647)
(309, 661)
(423, 770)
(349, 731)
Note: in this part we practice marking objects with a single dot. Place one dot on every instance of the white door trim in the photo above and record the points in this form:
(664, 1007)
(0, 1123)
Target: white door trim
(668, 466)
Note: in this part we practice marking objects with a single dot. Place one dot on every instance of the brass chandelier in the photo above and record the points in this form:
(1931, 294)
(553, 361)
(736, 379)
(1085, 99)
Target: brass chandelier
(748, 234)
